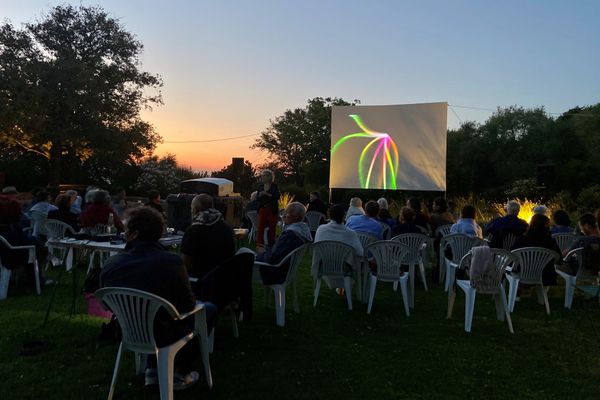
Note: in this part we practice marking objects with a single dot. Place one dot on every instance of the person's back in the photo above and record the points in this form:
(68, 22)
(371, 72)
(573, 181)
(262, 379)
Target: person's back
(365, 224)
(64, 213)
(508, 224)
(209, 240)
(316, 204)
(590, 243)
(440, 215)
(98, 213)
(466, 225)
(336, 231)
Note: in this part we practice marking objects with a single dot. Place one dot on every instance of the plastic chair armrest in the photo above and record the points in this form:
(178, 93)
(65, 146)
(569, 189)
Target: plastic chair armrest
(198, 307)
(264, 264)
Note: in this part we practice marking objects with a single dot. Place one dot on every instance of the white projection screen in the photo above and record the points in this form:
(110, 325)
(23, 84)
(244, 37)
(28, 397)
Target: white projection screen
(392, 147)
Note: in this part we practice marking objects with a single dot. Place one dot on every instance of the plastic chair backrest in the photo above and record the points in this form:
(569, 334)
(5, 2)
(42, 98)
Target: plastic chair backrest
(443, 230)
(38, 222)
(29, 248)
(531, 262)
(576, 254)
(294, 258)
(386, 231)
(502, 259)
(314, 219)
(424, 230)
(416, 242)
(564, 240)
(508, 241)
(389, 255)
(329, 257)
(460, 245)
(135, 311)
(57, 229)
(365, 239)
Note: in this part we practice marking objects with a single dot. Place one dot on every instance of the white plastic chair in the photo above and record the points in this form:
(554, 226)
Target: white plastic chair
(365, 239)
(135, 311)
(38, 222)
(294, 259)
(5, 273)
(386, 231)
(571, 280)
(314, 219)
(530, 264)
(389, 256)
(492, 285)
(508, 241)
(564, 240)
(443, 230)
(57, 230)
(460, 245)
(253, 218)
(417, 244)
(330, 260)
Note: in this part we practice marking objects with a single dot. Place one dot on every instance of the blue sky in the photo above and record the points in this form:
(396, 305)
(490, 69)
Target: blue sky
(230, 66)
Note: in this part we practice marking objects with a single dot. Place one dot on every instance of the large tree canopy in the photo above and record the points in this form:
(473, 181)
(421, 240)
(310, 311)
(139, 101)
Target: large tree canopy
(299, 140)
(71, 91)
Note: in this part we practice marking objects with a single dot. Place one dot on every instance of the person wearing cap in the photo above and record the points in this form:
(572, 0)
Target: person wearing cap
(508, 224)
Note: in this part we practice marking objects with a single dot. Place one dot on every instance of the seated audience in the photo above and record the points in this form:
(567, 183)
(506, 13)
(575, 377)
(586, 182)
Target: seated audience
(384, 213)
(208, 241)
(64, 213)
(466, 224)
(452, 210)
(538, 235)
(10, 217)
(38, 214)
(75, 201)
(561, 223)
(355, 208)
(540, 209)
(440, 216)
(146, 265)
(367, 223)
(590, 241)
(421, 219)
(296, 234)
(316, 204)
(407, 223)
(509, 224)
(336, 231)
(118, 201)
(99, 210)
(154, 201)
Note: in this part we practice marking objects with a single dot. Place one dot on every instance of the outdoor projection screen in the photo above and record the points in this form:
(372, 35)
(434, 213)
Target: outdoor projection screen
(396, 147)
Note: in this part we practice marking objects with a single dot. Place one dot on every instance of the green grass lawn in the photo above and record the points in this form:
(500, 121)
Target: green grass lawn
(324, 352)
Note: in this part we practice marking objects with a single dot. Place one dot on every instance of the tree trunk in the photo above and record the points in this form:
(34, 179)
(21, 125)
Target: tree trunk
(54, 166)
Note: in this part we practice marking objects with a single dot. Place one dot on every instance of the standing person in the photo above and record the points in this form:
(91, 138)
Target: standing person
(509, 224)
(268, 208)
(154, 201)
(316, 204)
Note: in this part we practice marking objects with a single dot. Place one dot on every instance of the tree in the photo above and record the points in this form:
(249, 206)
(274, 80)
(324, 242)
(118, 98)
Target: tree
(162, 174)
(71, 88)
(300, 139)
(242, 175)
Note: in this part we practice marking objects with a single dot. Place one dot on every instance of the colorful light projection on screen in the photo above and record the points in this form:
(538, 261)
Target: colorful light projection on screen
(380, 152)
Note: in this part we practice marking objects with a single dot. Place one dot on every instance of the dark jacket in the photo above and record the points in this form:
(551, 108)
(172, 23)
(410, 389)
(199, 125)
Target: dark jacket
(12, 259)
(401, 229)
(269, 202)
(502, 226)
(545, 240)
(318, 206)
(65, 216)
(149, 267)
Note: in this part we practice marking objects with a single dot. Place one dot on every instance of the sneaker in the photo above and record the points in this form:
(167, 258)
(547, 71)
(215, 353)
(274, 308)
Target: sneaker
(150, 377)
(181, 382)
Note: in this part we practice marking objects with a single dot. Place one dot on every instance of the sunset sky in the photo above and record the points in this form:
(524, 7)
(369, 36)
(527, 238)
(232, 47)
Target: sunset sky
(230, 66)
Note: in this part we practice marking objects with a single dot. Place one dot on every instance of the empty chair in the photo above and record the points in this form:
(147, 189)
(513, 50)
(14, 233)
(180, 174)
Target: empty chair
(135, 311)
(334, 260)
(293, 259)
(389, 256)
(564, 240)
(529, 266)
(5, 273)
(459, 245)
(57, 230)
(417, 244)
(489, 283)
(314, 219)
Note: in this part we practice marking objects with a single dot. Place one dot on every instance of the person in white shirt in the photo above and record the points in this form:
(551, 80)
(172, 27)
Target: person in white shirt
(336, 231)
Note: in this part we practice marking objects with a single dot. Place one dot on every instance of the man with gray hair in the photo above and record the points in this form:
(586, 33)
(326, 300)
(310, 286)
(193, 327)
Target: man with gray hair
(296, 234)
(508, 224)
